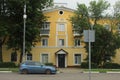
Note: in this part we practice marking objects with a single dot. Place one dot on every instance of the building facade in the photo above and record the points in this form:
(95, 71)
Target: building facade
(60, 44)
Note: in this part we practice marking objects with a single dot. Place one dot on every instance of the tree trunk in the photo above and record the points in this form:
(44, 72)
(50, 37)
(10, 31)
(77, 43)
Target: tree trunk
(21, 56)
(1, 60)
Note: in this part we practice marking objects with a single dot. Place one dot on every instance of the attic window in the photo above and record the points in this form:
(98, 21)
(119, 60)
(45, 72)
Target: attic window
(60, 12)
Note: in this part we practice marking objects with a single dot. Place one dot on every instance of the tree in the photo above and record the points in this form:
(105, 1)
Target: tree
(35, 18)
(103, 49)
(4, 23)
(97, 9)
(105, 41)
(116, 13)
(80, 20)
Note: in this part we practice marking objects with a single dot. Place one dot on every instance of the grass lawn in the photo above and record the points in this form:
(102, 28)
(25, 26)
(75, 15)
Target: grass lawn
(10, 69)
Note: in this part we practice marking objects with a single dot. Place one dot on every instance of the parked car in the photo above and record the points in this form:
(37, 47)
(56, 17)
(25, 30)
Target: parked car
(36, 67)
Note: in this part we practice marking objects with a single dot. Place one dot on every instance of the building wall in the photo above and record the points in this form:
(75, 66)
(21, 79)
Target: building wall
(53, 50)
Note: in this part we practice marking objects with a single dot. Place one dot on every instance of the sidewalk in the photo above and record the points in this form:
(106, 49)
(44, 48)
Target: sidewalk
(69, 70)
(78, 70)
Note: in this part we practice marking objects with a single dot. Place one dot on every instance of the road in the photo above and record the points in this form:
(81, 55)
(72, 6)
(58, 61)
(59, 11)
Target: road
(60, 76)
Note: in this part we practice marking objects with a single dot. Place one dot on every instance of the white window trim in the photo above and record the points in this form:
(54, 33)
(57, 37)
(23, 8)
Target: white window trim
(42, 42)
(29, 59)
(62, 29)
(60, 44)
(44, 53)
(77, 43)
(57, 35)
(74, 58)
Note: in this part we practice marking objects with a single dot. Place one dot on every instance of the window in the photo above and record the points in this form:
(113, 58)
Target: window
(44, 58)
(61, 12)
(44, 42)
(61, 27)
(77, 42)
(77, 58)
(107, 26)
(118, 26)
(29, 56)
(46, 25)
(61, 42)
(13, 57)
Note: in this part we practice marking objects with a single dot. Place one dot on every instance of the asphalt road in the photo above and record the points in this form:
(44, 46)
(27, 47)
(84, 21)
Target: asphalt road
(60, 76)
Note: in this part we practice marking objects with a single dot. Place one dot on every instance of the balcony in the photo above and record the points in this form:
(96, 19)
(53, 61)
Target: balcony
(76, 33)
(44, 32)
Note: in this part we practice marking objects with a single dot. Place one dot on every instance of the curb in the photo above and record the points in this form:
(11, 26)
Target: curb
(5, 71)
(91, 72)
(101, 72)
(112, 72)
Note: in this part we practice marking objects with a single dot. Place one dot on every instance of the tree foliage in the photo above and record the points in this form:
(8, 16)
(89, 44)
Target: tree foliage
(105, 45)
(106, 41)
(4, 24)
(14, 12)
(117, 12)
(80, 20)
(97, 9)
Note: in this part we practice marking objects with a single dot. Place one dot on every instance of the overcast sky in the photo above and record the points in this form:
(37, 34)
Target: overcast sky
(73, 3)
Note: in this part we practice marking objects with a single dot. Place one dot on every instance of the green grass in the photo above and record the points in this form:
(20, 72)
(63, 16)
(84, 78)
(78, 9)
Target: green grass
(9, 69)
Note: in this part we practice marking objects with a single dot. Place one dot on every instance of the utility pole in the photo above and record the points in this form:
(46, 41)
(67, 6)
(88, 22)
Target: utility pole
(24, 30)
(89, 36)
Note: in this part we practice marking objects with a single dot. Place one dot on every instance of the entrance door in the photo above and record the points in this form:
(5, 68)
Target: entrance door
(61, 60)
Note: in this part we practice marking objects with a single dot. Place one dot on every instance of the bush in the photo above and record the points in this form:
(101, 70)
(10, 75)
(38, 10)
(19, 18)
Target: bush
(111, 65)
(86, 65)
(49, 64)
(7, 65)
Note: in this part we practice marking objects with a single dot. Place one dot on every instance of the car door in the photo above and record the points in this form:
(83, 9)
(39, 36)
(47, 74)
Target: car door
(39, 68)
(31, 67)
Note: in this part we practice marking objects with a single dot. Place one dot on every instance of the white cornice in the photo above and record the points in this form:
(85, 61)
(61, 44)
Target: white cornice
(51, 9)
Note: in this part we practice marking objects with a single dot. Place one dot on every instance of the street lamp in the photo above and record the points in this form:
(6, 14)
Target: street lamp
(24, 18)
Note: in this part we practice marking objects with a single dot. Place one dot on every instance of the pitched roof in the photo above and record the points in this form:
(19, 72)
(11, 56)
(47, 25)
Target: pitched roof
(61, 51)
(57, 8)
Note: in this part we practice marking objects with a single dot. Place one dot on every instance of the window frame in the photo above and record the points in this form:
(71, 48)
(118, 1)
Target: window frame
(77, 56)
(44, 61)
(77, 42)
(61, 42)
(45, 26)
(44, 42)
(13, 56)
(61, 27)
(107, 26)
(29, 57)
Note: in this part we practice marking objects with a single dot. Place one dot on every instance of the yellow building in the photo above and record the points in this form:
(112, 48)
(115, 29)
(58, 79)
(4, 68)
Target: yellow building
(59, 43)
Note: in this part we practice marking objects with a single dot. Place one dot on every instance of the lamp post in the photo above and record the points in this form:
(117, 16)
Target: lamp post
(24, 30)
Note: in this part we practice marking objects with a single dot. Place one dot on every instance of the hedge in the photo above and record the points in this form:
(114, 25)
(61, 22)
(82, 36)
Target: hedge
(111, 65)
(7, 65)
(86, 65)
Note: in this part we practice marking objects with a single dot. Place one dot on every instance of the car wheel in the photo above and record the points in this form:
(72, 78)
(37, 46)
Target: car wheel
(24, 71)
(48, 71)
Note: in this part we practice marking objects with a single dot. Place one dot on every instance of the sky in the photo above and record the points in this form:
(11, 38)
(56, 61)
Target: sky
(73, 3)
